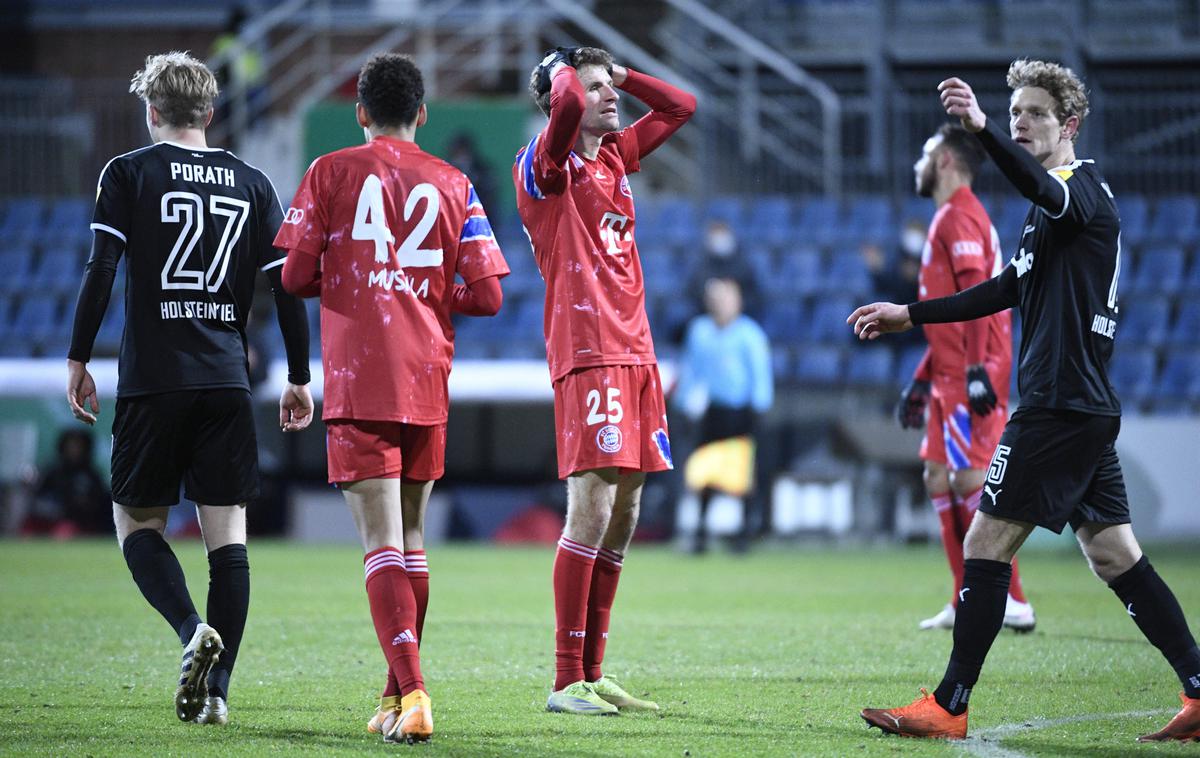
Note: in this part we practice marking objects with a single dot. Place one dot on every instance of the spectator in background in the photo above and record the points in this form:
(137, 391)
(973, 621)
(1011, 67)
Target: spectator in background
(70, 498)
(894, 278)
(240, 77)
(463, 153)
(726, 382)
(723, 259)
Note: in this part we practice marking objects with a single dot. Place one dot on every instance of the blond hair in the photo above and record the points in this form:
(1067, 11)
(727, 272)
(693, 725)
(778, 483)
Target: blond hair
(180, 87)
(1062, 83)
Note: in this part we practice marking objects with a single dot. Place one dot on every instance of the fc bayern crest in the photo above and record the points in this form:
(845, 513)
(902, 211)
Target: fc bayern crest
(608, 439)
(625, 190)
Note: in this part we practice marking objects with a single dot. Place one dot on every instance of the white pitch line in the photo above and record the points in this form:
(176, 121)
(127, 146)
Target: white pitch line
(986, 742)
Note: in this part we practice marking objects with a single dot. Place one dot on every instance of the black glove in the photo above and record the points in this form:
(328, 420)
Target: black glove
(980, 395)
(910, 411)
(552, 58)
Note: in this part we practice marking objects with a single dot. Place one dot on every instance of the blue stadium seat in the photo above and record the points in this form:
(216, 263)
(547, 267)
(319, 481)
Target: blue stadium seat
(727, 208)
(786, 321)
(818, 221)
(1191, 280)
(1010, 222)
(1159, 269)
(69, 220)
(679, 223)
(847, 275)
(1132, 375)
(869, 219)
(1135, 213)
(781, 363)
(829, 320)
(799, 273)
(22, 220)
(37, 317)
(1179, 374)
(528, 318)
(17, 261)
(818, 364)
(1144, 321)
(1187, 321)
(1126, 278)
(1174, 220)
(871, 365)
(915, 208)
(769, 221)
(58, 271)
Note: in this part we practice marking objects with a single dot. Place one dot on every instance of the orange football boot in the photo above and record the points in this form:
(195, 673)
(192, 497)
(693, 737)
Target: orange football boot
(1185, 727)
(921, 718)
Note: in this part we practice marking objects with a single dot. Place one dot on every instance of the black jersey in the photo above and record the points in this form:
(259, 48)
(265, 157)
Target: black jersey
(1067, 268)
(197, 224)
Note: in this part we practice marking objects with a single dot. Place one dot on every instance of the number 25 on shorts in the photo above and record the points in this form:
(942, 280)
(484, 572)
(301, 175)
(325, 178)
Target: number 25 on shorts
(613, 406)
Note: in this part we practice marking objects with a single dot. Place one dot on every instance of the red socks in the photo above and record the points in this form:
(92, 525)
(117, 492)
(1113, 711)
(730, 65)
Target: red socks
(573, 564)
(418, 578)
(966, 511)
(952, 538)
(394, 610)
(605, 576)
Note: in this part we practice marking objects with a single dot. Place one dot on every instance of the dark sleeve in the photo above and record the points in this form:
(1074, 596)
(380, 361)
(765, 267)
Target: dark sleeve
(984, 299)
(270, 220)
(94, 293)
(293, 323)
(115, 200)
(1031, 179)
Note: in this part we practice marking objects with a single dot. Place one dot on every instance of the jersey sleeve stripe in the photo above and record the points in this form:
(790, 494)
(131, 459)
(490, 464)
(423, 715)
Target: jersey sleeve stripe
(473, 202)
(110, 230)
(527, 176)
(476, 227)
(274, 263)
(1066, 199)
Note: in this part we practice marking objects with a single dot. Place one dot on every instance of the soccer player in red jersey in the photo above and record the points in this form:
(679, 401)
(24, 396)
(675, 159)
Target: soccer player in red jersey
(964, 375)
(575, 201)
(379, 231)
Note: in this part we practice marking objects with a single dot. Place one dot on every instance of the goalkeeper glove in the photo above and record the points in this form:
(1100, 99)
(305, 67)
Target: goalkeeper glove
(559, 55)
(980, 394)
(910, 411)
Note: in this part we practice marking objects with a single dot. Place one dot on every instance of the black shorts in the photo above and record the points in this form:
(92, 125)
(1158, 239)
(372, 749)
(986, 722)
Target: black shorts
(204, 438)
(1054, 467)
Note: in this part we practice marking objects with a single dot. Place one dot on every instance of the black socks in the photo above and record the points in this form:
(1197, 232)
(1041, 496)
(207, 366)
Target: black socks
(228, 602)
(157, 573)
(1153, 607)
(980, 615)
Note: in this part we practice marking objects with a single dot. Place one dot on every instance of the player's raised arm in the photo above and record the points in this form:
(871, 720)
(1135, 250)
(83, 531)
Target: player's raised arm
(1012, 156)
(566, 104)
(670, 107)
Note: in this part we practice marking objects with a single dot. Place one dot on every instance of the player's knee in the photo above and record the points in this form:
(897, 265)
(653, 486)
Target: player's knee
(1108, 563)
(937, 481)
(965, 482)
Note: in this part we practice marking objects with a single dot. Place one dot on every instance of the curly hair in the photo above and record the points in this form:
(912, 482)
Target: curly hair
(391, 88)
(1062, 83)
(180, 88)
(582, 56)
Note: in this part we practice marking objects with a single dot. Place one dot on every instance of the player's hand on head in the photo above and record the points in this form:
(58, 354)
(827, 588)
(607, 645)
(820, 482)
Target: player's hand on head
(959, 100)
(81, 392)
(910, 411)
(295, 408)
(551, 63)
(618, 75)
(872, 320)
(980, 395)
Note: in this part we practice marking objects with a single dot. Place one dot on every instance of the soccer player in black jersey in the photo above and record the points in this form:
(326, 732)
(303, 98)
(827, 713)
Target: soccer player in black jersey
(1056, 462)
(194, 224)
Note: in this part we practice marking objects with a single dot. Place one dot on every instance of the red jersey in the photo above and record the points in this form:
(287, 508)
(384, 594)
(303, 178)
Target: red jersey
(962, 249)
(391, 225)
(580, 219)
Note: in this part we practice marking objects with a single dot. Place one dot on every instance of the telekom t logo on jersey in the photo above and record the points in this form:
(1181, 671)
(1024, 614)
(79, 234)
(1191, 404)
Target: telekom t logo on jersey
(616, 240)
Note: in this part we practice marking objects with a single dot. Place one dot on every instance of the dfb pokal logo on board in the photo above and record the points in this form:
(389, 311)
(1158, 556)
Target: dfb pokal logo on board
(608, 438)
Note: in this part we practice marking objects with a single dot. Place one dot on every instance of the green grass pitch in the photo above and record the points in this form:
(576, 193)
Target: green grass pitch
(771, 654)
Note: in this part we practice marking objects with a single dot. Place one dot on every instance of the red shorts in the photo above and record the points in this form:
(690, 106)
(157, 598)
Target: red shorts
(611, 416)
(384, 450)
(957, 438)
